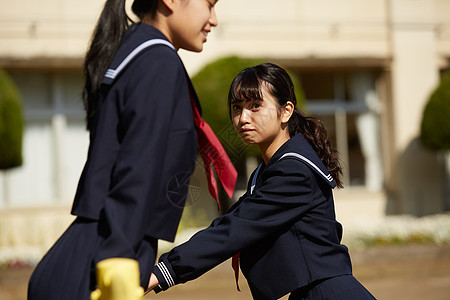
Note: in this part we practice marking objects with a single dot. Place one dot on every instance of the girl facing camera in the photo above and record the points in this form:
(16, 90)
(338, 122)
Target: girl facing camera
(283, 228)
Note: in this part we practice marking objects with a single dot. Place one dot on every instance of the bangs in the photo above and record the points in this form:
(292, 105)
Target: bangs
(246, 87)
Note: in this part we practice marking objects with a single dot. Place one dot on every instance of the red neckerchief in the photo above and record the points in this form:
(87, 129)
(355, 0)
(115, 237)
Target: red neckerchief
(213, 154)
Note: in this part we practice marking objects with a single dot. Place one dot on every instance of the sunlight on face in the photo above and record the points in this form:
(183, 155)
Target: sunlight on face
(257, 121)
(191, 23)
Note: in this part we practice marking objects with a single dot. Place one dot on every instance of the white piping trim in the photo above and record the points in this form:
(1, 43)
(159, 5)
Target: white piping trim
(111, 73)
(162, 267)
(252, 187)
(327, 177)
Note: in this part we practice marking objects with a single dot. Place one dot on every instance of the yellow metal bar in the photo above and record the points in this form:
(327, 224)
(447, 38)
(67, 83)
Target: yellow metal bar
(118, 279)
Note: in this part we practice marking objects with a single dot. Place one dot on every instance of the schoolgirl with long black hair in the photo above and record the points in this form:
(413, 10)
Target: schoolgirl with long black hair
(140, 107)
(283, 228)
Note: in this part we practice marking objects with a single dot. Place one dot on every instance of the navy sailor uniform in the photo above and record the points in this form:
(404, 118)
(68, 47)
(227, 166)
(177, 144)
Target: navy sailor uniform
(142, 153)
(284, 228)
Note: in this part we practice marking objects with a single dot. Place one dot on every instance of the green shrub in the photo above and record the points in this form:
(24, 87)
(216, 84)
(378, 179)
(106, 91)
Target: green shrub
(11, 123)
(435, 127)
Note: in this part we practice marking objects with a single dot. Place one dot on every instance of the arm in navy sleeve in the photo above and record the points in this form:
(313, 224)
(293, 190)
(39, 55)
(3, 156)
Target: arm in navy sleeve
(156, 81)
(284, 197)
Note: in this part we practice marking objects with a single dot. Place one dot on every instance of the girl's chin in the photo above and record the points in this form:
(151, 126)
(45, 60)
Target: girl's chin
(248, 142)
(248, 139)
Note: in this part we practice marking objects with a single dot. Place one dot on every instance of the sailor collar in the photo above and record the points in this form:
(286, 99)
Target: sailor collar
(138, 41)
(115, 70)
(298, 148)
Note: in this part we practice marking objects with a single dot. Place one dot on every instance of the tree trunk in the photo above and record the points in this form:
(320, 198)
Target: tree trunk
(5, 177)
(446, 155)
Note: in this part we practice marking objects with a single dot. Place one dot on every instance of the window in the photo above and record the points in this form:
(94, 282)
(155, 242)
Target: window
(347, 104)
(55, 139)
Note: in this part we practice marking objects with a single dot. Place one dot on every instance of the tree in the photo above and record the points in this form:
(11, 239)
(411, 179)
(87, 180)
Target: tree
(435, 127)
(11, 123)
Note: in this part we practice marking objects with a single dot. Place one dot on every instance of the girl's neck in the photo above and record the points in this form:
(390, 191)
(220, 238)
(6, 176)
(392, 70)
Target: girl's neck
(268, 149)
(160, 25)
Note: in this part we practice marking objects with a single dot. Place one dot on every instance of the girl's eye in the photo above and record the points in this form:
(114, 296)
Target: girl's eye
(256, 105)
(236, 107)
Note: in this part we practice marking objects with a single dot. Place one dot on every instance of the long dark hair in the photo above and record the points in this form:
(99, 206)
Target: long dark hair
(247, 86)
(108, 33)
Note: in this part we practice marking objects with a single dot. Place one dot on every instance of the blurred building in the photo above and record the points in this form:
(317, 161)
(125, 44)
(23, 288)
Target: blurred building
(367, 68)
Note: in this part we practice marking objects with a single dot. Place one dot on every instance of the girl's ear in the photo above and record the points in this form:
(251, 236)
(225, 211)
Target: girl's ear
(169, 4)
(287, 111)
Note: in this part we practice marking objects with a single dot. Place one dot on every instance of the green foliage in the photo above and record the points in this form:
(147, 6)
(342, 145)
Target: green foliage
(11, 123)
(212, 84)
(435, 127)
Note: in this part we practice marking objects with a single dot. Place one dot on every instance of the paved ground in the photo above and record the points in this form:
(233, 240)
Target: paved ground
(394, 272)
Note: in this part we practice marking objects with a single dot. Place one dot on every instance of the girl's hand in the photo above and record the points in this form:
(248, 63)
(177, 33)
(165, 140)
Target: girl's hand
(152, 283)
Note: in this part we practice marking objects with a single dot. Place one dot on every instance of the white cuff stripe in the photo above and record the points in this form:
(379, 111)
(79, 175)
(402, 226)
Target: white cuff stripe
(166, 274)
(172, 282)
(162, 267)
(163, 272)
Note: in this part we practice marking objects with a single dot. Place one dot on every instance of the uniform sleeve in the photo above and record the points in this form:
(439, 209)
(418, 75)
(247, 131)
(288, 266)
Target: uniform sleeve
(284, 197)
(154, 83)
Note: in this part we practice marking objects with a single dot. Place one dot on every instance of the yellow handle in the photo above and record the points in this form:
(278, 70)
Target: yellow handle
(118, 279)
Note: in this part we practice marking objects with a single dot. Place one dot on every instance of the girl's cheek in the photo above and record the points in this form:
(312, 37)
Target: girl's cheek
(235, 121)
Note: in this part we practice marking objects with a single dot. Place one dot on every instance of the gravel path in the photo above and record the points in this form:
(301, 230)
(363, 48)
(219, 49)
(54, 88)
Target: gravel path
(391, 272)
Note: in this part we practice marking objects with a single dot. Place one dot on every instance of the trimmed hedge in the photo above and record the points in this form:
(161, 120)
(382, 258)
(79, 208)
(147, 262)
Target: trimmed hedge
(435, 127)
(212, 84)
(11, 123)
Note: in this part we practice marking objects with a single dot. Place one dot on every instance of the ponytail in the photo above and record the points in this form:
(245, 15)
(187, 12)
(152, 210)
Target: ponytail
(111, 26)
(315, 133)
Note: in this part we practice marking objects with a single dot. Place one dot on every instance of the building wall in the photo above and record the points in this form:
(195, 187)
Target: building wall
(56, 29)
(299, 30)
(49, 29)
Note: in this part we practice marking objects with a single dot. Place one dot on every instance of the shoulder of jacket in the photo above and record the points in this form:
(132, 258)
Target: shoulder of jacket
(307, 163)
(118, 67)
(287, 165)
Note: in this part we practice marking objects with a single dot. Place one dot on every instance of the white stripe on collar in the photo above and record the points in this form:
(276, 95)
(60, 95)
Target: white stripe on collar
(111, 73)
(327, 177)
(252, 187)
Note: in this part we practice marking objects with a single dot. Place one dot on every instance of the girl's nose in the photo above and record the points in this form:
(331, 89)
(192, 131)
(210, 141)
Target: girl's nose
(213, 18)
(245, 116)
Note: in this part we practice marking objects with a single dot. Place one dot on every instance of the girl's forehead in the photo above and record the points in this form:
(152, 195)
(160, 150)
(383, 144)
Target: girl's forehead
(241, 97)
(249, 92)
(246, 100)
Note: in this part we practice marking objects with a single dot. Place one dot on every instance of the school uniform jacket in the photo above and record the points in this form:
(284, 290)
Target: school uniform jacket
(284, 227)
(143, 146)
